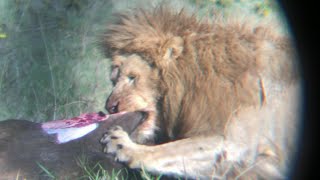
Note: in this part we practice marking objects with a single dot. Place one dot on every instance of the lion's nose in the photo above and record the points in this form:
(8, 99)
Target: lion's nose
(112, 106)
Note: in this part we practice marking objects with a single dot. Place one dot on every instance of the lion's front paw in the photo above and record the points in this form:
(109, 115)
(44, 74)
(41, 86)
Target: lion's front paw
(118, 142)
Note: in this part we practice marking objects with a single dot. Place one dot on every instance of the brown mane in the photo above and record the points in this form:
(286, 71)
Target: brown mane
(207, 70)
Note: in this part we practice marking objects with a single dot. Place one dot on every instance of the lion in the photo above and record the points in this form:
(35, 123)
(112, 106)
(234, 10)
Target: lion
(222, 97)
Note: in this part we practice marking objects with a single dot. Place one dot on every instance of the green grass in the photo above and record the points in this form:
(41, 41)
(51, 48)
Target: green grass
(51, 66)
(47, 173)
(97, 172)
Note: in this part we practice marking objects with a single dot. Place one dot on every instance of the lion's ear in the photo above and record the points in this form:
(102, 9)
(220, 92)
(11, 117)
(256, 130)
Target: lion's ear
(174, 48)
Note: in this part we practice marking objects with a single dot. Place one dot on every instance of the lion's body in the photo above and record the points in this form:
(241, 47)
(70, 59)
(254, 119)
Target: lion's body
(204, 81)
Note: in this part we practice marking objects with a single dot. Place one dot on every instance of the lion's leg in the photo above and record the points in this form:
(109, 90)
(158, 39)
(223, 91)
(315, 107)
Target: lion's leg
(199, 157)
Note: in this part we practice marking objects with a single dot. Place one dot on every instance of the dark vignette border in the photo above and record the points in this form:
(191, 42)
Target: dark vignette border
(304, 18)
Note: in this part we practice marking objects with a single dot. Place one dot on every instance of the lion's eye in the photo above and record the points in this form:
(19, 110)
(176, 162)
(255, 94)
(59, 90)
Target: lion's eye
(131, 78)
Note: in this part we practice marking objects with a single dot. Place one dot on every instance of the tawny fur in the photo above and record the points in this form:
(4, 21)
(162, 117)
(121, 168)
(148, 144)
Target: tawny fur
(196, 78)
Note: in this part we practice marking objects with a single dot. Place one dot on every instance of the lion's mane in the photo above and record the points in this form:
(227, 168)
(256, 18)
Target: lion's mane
(208, 70)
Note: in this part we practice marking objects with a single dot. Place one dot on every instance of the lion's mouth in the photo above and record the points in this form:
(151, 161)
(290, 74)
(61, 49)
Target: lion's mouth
(145, 131)
(147, 128)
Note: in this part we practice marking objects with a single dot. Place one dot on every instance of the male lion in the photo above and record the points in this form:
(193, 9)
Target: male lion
(222, 95)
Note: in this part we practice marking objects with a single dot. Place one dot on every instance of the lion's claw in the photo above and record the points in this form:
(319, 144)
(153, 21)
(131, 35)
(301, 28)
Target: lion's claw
(118, 142)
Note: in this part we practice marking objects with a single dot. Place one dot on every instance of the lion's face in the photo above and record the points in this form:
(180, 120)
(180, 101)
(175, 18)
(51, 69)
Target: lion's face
(135, 89)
